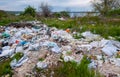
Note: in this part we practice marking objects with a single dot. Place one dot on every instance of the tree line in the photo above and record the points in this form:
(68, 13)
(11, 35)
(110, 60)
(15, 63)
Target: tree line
(104, 7)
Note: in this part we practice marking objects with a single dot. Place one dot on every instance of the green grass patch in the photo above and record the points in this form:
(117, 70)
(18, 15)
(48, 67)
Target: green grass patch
(41, 59)
(5, 65)
(5, 68)
(18, 56)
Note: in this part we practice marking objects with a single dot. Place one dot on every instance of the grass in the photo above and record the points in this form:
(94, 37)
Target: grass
(5, 65)
(41, 59)
(6, 20)
(71, 69)
(104, 26)
(93, 24)
(5, 68)
(18, 56)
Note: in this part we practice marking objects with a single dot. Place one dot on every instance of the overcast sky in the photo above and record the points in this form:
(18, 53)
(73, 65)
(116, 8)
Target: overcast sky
(57, 5)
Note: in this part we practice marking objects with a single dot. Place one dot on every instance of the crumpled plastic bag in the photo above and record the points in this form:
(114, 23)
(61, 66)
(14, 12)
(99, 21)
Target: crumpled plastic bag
(6, 48)
(68, 58)
(90, 36)
(5, 35)
(56, 49)
(34, 47)
(92, 65)
(42, 65)
(19, 49)
(7, 52)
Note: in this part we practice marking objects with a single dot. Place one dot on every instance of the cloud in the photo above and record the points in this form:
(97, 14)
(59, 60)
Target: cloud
(58, 5)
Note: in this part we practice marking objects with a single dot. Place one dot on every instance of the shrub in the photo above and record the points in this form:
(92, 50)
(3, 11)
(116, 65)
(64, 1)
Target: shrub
(29, 11)
(115, 12)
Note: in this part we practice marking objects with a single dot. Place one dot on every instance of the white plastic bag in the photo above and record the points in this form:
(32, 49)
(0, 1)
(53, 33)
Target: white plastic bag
(42, 65)
(109, 50)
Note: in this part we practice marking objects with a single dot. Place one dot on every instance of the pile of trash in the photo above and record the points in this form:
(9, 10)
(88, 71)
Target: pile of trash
(36, 40)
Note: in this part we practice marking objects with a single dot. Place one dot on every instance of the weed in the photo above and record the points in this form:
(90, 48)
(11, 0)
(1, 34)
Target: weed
(17, 56)
(41, 59)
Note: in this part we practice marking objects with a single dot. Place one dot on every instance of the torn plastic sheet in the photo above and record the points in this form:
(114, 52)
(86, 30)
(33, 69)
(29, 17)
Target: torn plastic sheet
(56, 49)
(90, 36)
(109, 50)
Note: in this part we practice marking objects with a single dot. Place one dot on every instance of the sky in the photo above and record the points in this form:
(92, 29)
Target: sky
(57, 5)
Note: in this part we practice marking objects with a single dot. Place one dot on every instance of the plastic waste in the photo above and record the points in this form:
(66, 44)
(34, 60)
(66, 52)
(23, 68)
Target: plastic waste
(117, 62)
(92, 65)
(5, 35)
(54, 47)
(109, 50)
(19, 49)
(62, 19)
(16, 63)
(0, 51)
(56, 50)
(22, 43)
(95, 44)
(52, 44)
(66, 48)
(4, 43)
(34, 47)
(7, 52)
(87, 46)
(90, 36)
(17, 41)
(68, 58)
(13, 63)
(6, 48)
(68, 30)
(42, 65)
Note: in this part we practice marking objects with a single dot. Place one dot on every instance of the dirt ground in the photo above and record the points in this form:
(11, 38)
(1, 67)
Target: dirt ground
(27, 67)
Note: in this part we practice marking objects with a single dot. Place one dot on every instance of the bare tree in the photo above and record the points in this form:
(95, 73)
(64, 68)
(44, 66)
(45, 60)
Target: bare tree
(103, 6)
(45, 9)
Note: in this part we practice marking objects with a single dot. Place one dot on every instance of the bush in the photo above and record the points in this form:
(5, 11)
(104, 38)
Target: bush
(61, 14)
(115, 12)
(64, 14)
(56, 14)
(3, 13)
(29, 11)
